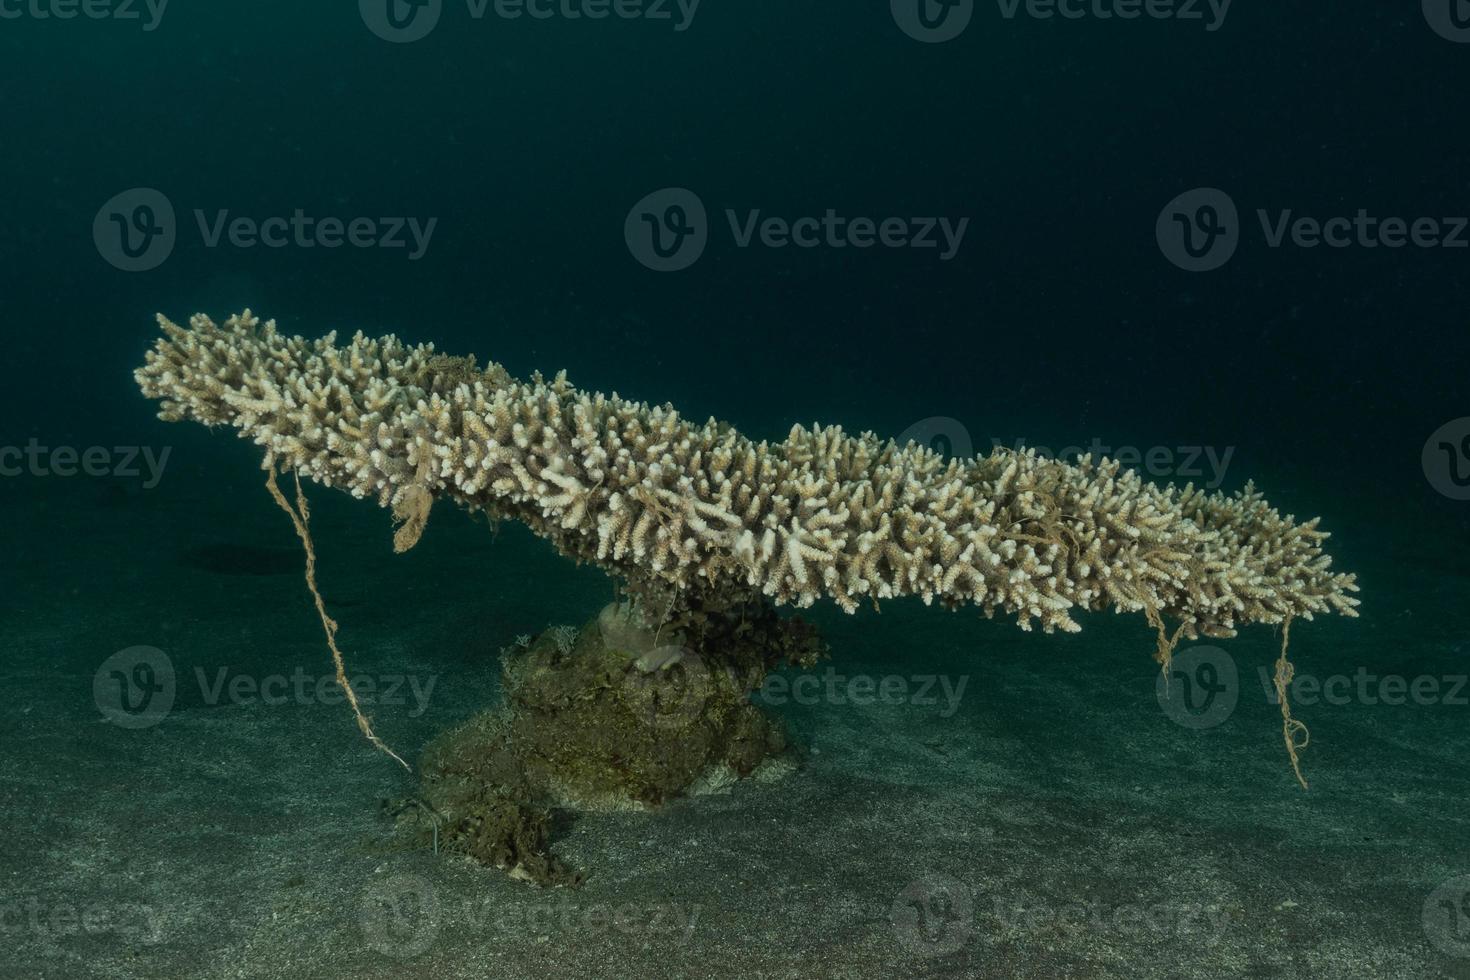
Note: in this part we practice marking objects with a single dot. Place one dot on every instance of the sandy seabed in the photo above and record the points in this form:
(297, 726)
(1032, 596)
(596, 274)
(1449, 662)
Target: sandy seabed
(972, 801)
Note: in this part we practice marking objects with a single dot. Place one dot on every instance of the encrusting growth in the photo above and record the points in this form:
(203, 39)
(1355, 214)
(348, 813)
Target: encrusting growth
(695, 515)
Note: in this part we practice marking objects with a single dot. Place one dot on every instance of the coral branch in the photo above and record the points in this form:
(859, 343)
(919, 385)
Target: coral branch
(670, 504)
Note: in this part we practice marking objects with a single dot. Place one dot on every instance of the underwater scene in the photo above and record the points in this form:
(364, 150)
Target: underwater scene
(691, 489)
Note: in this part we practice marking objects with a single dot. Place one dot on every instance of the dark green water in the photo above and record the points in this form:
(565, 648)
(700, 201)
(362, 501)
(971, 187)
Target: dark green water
(990, 236)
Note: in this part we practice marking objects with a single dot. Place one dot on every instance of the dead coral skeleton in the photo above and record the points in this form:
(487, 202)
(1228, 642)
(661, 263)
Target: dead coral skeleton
(673, 506)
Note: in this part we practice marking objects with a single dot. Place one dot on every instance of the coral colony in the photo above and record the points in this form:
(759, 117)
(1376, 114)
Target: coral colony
(708, 533)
